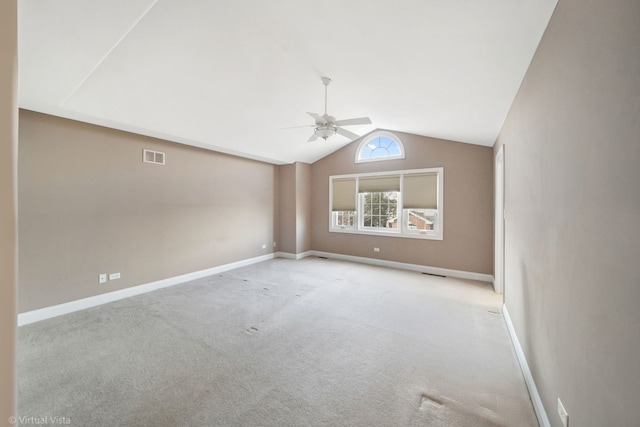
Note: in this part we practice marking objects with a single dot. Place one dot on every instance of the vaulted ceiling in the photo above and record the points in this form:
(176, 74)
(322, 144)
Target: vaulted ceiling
(228, 75)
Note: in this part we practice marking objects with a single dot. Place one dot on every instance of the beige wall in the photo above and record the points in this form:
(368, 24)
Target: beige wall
(275, 244)
(8, 205)
(287, 238)
(303, 207)
(295, 208)
(468, 206)
(89, 205)
(572, 147)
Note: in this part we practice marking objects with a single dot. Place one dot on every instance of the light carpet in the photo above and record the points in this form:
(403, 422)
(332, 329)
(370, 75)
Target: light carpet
(312, 342)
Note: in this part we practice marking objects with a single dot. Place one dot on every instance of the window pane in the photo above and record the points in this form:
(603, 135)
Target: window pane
(380, 210)
(379, 148)
(394, 150)
(344, 219)
(421, 220)
(379, 152)
(385, 142)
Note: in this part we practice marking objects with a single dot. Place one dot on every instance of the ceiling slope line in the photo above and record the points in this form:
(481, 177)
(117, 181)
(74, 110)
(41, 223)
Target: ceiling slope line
(98, 121)
(104, 57)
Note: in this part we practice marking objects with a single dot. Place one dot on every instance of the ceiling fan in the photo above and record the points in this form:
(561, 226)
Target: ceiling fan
(327, 126)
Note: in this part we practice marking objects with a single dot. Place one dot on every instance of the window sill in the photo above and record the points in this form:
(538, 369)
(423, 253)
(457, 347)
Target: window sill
(388, 234)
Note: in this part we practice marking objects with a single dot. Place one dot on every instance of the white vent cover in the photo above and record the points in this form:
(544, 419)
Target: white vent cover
(155, 157)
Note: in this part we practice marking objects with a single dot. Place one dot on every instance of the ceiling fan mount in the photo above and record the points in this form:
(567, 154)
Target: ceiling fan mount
(326, 126)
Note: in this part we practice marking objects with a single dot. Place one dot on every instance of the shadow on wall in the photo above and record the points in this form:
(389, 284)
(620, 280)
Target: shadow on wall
(526, 311)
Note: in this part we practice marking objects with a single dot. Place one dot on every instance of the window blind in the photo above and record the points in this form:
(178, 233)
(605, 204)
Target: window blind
(420, 191)
(344, 194)
(379, 184)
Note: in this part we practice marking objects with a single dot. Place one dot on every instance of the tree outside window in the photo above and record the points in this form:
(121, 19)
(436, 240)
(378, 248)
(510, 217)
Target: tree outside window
(380, 210)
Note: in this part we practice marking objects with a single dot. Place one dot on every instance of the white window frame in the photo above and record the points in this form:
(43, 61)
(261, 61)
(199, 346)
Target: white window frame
(403, 229)
(360, 217)
(345, 227)
(375, 135)
(405, 222)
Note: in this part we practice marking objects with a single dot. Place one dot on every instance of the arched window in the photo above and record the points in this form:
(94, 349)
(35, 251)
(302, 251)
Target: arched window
(380, 145)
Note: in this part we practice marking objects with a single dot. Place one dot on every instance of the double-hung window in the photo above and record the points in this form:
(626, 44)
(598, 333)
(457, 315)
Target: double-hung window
(401, 203)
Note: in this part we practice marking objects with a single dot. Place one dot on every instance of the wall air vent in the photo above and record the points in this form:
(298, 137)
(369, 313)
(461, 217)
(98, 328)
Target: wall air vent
(155, 157)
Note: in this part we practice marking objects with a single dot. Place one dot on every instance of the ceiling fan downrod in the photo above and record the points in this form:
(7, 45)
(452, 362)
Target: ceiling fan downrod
(325, 81)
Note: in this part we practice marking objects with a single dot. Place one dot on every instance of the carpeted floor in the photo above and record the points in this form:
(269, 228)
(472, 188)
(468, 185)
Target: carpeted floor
(312, 342)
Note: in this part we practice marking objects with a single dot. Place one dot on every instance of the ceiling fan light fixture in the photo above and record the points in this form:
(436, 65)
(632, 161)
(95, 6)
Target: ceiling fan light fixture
(325, 132)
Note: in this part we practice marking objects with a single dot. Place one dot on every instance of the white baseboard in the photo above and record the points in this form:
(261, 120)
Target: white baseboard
(543, 420)
(405, 266)
(69, 307)
(289, 255)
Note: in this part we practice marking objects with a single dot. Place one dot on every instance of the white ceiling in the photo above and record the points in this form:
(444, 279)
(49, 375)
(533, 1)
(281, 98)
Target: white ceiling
(227, 75)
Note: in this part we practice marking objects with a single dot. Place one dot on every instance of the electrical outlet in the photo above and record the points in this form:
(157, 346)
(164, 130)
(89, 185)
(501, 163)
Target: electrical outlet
(114, 276)
(274, 244)
(102, 278)
(564, 415)
(376, 249)
(264, 246)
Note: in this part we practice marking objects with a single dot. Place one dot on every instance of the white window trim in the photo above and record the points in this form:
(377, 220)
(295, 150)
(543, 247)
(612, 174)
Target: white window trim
(380, 230)
(377, 134)
(409, 234)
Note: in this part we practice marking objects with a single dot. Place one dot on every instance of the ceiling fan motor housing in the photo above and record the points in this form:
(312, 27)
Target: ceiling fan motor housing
(328, 119)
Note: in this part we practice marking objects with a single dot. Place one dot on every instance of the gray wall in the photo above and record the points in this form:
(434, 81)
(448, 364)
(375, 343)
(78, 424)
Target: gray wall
(572, 147)
(88, 205)
(468, 206)
(8, 206)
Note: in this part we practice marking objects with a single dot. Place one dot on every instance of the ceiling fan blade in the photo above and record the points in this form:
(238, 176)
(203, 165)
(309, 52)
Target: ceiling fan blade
(296, 127)
(313, 138)
(318, 118)
(347, 134)
(351, 122)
